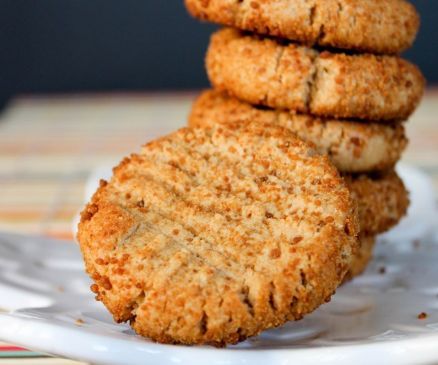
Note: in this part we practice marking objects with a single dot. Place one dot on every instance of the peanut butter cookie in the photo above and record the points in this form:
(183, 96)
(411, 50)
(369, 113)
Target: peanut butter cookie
(266, 72)
(209, 236)
(352, 146)
(374, 26)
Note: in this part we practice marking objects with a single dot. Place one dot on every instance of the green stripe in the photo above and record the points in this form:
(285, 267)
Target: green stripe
(16, 354)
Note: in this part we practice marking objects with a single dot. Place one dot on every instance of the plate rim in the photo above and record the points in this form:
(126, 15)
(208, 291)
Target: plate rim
(423, 347)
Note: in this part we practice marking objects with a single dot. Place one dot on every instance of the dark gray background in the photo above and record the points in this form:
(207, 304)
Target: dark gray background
(50, 46)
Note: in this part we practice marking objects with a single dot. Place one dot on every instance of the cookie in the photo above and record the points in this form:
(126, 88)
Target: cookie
(286, 76)
(209, 236)
(362, 257)
(374, 26)
(382, 200)
(352, 146)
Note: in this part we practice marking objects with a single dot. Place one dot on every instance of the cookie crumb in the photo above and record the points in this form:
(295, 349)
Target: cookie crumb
(140, 203)
(79, 322)
(422, 315)
(94, 288)
(382, 270)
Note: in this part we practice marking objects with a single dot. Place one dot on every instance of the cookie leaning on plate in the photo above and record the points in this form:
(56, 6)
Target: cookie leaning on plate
(267, 72)
(213, 235)
(375, 26)
(352, 146)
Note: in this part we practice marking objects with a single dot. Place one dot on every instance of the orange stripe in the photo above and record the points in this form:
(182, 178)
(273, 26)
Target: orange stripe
(21, 215)
(59, 235)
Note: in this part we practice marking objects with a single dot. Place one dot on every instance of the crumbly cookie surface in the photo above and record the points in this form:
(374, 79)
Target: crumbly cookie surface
(362, 258)
(382, 200)
(267, 72)
(375, 26)
(352, 146)
(213, 235)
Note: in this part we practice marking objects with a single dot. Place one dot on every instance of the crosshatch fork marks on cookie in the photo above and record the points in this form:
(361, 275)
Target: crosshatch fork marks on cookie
(222, 227)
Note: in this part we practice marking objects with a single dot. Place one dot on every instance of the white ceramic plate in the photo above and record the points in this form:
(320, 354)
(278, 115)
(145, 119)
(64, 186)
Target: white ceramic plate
(373, 319)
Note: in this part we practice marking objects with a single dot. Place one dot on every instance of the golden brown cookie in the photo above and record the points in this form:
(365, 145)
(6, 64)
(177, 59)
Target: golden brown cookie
(213, 235)
(287, 76)
(382, 200)
(375, 26)
(362, 258)
(352, 146)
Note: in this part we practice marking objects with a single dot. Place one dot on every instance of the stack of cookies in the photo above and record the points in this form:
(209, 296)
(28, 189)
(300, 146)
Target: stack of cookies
(329, 71)
(210, 235)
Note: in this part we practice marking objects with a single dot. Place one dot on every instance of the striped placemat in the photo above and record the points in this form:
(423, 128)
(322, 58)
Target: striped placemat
(50, 145)
(39, 361)
(11, 351)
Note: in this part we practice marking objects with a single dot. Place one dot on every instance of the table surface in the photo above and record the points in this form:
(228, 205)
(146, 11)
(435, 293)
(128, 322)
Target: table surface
(50, 145)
